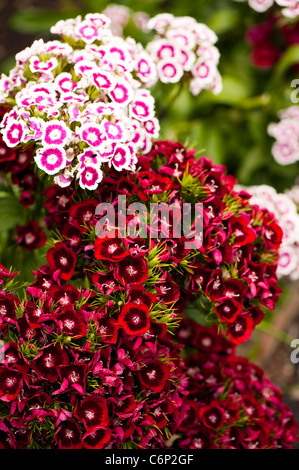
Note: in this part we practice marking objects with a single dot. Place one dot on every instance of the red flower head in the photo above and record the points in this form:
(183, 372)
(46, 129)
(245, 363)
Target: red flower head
(73, 376)
(134, 318)
(138, 294)
(71, 322)
(64, 295)
(243, 234)
(68, 435)
(132, 270)
(109, 249)
(168, 290)
(10, 384)
(108, 330)
(212, 415)
(47, 361)
(154, 375)
(241, 329)
(93, 412)
(228, 309)
(97, 439)
(8, 304)
(82, 213)
(30, 236)
(272, 234)
(61, 258)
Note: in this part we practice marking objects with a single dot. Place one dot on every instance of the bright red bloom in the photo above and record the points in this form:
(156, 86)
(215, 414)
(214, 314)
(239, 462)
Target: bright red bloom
(93, 412)
(66, 294)
(132, 270)
(83, 213)
(10, 384)
(68, 435)
(242, 232)
(138, 294)
(241, 329)
(228, 309)
(134, 318)
(61, 258)
(109, 249)
(154, 375)
(108, 330)
(97, 439)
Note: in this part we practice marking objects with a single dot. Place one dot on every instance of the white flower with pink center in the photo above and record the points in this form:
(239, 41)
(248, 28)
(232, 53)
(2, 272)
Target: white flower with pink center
(286, 212)
(122, 93)
(169, 71)
(290, 10)
(142, 107)
(91, 134)
(57, 133)
(103, 80)
(50, 159)
(90, 176)
(90, 97)
(37, 66)
(65, 82)
(113, 131)
(184, 49)
(122, 158)
(14, 133)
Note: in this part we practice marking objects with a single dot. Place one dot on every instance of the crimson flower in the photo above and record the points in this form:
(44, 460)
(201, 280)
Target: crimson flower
(63, 259)
(47, 361)
(228, 309)
(154, 375)
(30, 236)
(241, 329)
(109, 249)
(131, 270)
(93, 412)
(10, 384)
(97, 439)
(68, 435)
(212, 415)
(134, 318)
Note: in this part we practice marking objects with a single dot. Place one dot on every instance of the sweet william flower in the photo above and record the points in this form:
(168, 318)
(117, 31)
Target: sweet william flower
(134, 318)
(62, 259)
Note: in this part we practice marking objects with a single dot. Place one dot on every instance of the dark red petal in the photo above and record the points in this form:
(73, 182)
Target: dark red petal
(134, 318)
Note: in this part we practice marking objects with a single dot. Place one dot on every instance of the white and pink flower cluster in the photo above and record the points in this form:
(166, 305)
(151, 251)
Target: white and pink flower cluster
(290, 7)
(284, 208)
(286, 132)
(183, 48)
(82, 101)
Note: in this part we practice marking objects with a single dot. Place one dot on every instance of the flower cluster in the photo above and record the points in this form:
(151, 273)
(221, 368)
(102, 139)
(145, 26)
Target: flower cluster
(286, 133)
(270, 39)
(285, 211)
(230, 403)
(231, 267)
(74, 375)
(184, 49)
(81, 101)
(290, 7)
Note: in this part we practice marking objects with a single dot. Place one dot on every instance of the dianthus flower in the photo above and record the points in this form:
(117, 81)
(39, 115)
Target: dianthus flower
(184, 50)
(286, 133)
(290, 7)
(230, 403)
(79, 373)
(81, 101)
(285, 211)
(230, 269)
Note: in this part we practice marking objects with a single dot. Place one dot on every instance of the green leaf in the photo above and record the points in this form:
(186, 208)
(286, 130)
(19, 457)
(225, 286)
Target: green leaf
(38, 20)
(11, 213)
(224, 20)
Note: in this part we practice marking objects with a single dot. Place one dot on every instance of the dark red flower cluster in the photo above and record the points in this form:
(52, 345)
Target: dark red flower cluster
(75, 377)
(233, 270)
(90, 360)
(230, 404)
(270, 39)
